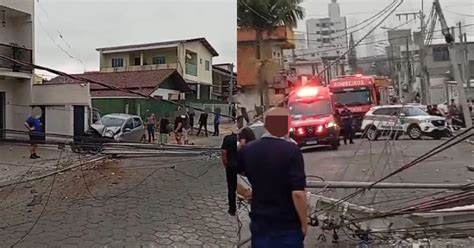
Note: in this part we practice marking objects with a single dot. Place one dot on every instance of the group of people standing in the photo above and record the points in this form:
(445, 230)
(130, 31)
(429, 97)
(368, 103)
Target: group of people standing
(453, 112)
(183, 126)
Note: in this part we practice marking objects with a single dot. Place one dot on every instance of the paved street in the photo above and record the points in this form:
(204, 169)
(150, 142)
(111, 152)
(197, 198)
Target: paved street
(15, 161)
(172, 202)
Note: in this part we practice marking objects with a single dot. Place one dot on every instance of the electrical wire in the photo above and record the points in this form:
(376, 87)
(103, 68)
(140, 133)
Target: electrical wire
(358, 42)
(367, 43)
(421, 158)
(83, 79)
(312, 41)
(61, 36)
(44, 207)
(460, 14)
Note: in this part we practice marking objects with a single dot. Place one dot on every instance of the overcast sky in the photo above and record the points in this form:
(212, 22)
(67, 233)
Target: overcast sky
(88, 24)
(359, 10)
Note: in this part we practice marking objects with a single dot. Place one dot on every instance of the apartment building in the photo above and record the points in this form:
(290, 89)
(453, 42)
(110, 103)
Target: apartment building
(248, 64)
(17, 42)
(192, 58)
(328, 35)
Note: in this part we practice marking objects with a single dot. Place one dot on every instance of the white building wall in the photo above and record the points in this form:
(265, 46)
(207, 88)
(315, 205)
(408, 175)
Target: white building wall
(59, 106)
(203, 76)
(59, 120)
(164, 93)
(26, 6)
(64, 94)
(249, 99)
(17, 101)
(19, 29)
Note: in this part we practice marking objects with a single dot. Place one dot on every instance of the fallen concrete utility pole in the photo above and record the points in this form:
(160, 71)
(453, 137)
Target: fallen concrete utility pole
(366, 185)
(149, 152)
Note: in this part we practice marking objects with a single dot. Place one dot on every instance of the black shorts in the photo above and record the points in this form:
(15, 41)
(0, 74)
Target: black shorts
(36, 139)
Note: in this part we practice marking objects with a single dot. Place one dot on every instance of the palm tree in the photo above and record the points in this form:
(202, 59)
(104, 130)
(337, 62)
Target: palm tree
(264, 16)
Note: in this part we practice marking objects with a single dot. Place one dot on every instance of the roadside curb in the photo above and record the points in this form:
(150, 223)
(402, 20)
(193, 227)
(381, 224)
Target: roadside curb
(10, 183)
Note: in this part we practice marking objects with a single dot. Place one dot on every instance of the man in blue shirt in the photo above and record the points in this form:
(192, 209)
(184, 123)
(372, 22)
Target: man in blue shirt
(34, 126)
(217, 117)
(274, 167)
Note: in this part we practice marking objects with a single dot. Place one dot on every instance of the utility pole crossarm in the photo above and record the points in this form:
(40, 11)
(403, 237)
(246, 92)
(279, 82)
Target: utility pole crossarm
(366, 185)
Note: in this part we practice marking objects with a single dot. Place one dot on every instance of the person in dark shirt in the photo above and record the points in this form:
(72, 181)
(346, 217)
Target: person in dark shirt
(217, 121)
(164, 129)
(230, 146)
(274, 167)
(347, 123)
(202, 123)
(229, 161)
(435, 111)
(34, 126)
(178, 128)
(337, 117)
(245, 134)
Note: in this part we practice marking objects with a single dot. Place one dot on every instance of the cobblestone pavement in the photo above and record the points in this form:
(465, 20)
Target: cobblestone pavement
(131, 203)
(15, 161)
(165, 202)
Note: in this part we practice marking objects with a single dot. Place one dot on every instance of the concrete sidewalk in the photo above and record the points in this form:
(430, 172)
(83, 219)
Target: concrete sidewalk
(15, 161)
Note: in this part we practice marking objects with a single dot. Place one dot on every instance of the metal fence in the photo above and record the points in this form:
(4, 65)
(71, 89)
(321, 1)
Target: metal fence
(18, 53)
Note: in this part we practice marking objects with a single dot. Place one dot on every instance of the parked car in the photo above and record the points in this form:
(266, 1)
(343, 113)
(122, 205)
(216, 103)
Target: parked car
(259, 130)
(120, 127)
(396, 120)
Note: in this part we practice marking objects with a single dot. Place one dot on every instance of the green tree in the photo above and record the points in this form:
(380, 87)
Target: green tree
(264, 16)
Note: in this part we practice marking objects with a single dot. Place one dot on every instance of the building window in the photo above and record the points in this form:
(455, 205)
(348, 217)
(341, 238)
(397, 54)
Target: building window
(317, 32)
(159, 60)
(117, 62)
(440, 54)
(208, 65)
(318, 40)
(136, 61)
(200, 61)
(317, 24)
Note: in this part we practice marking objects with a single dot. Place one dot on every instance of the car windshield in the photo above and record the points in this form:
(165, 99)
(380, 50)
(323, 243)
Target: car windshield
(317, 108)
(415, 111)
(353, 97)
(111, 121)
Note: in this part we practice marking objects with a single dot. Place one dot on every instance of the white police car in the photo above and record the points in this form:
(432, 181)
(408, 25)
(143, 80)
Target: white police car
(395, 120)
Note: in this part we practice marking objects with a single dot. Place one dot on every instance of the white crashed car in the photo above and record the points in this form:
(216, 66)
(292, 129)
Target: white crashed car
(259, 130)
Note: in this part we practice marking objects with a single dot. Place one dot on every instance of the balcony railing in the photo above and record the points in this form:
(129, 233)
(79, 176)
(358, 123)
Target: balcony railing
(17, 53)
(139, 68)
(191, 69)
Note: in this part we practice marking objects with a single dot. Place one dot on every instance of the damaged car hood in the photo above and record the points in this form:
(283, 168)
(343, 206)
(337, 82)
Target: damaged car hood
(105, 131)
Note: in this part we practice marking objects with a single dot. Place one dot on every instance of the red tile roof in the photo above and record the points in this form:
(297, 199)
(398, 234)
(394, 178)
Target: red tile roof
(144, 82)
